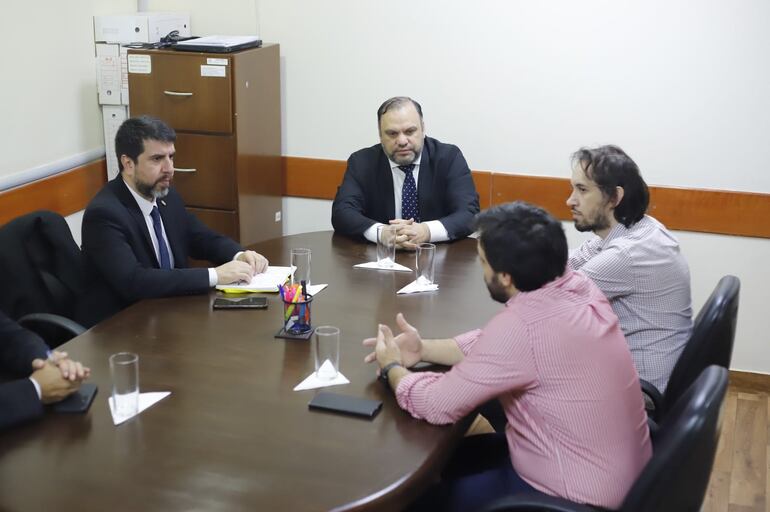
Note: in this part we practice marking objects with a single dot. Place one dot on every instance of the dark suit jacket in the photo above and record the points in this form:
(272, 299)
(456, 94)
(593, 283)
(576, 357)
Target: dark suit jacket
(445, 190)
(18, 347)
(121, 260)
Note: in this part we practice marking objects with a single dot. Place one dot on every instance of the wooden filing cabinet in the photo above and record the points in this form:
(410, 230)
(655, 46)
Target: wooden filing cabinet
(226, 110)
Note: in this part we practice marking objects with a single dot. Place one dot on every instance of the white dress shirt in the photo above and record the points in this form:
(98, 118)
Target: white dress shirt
(437, 230)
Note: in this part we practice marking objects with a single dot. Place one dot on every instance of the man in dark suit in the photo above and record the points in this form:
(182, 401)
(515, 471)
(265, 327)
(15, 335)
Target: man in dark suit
(137, 235)
(420, 185)
(41, 377)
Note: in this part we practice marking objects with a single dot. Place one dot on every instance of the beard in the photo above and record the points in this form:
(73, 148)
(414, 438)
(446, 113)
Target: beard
(497, 291)
(600, 222)
(154, 190)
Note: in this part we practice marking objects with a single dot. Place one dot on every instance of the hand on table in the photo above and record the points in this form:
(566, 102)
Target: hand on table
(258, 262)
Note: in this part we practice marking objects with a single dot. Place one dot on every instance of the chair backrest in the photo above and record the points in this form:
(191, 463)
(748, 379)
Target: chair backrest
(42, 267)
(676, 477)
(711, 341)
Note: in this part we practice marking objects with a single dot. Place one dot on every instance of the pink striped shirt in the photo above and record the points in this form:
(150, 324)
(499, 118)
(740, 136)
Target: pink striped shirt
(558, 362)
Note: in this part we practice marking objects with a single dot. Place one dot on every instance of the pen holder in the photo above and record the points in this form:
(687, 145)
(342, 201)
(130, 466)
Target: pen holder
(296, 316)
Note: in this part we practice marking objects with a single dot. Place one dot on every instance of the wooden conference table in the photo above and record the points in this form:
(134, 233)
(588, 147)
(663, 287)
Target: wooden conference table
(233, 435)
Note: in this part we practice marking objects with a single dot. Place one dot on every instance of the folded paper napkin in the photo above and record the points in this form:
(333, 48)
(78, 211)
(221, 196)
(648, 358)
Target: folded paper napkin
(312, 381)
(146, 400)
(417, 287)
(376, 266)
(313, 289)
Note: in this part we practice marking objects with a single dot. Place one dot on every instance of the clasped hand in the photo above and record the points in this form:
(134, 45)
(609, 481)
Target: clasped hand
(58, 376)
(410, 234)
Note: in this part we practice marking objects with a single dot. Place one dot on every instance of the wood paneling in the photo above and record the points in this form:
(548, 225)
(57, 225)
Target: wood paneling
(64, 193)
(707, 211)
(313, 178)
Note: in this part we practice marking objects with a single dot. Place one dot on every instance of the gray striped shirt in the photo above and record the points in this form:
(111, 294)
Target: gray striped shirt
(647, 281)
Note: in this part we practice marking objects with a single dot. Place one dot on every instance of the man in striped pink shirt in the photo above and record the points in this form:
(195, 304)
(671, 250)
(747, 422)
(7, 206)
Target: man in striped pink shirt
(556, 359)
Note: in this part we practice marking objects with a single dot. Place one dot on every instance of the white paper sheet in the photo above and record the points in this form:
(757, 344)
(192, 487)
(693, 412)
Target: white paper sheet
(267, 281)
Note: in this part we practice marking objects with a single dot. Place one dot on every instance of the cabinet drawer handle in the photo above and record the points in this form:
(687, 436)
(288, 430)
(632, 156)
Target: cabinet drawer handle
(175, 93)
(177, 169)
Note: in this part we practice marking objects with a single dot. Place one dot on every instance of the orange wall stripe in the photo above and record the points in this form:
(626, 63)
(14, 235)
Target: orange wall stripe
(707, 211)
(65, 193)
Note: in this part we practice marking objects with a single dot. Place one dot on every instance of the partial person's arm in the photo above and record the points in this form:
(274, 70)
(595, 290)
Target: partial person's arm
(612, 272)
(462, 200)
(349, 207)
(500, 361)
(106, 245)
(581, 255)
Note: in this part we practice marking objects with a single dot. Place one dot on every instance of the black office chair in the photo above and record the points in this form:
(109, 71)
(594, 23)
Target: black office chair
(711, 342)
(676, 477)
(42, 275)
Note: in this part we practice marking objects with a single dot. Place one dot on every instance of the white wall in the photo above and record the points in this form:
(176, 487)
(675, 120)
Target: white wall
(681, 85)
(48, 81)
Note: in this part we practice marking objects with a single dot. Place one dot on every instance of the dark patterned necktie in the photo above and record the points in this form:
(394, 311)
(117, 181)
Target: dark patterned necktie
(410, 209)
(165, 261)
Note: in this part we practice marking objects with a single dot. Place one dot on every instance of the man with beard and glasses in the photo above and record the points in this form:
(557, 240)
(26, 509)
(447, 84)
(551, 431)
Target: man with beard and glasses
(420, 185)
(137, 235)
(554, 357)
(633, 259)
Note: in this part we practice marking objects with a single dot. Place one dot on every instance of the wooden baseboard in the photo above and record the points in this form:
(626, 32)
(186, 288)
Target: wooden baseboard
(64, 193)
(750, 381)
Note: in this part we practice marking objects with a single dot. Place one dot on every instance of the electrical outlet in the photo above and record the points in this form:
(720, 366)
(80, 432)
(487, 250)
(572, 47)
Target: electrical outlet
(278, 216)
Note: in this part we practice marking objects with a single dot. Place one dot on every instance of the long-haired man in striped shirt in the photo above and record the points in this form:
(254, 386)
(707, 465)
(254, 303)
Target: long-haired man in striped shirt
(633, 259)
(554, 357)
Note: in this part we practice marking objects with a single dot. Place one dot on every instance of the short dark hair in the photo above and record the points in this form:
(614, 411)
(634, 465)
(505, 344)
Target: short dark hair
(610, 167)
(524, 241)
(396, 102)
(133, 132)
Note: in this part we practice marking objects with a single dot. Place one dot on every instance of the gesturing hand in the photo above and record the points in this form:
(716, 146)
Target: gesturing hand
(409, 343)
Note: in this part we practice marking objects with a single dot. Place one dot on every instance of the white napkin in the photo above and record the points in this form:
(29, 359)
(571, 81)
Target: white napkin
(316, 288)
(416, 287)
(312, 382)
(146, 400)
(376, 266)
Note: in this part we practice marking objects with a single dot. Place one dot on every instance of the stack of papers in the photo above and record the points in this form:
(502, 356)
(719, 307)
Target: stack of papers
(267, 281)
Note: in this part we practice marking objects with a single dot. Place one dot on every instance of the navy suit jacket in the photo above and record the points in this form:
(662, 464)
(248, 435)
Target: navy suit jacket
(445, 190)
(18, 347)
(121, 260)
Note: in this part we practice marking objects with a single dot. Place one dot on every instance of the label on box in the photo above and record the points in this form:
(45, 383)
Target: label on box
(141, 64)
(216, 62)
(213, 70)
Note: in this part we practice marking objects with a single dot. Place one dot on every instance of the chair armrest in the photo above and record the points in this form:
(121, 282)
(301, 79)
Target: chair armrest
(536, 502)
(653, 400)
(34, 319)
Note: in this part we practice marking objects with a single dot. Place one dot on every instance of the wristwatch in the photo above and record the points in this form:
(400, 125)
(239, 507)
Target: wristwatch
(386, 369)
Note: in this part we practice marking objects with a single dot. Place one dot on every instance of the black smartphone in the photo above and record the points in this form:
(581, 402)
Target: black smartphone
(345, 404)
(78, 401)
(240, 302)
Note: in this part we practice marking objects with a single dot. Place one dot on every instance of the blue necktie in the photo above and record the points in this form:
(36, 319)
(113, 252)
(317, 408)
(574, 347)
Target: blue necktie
(410, 208)
(165, 261)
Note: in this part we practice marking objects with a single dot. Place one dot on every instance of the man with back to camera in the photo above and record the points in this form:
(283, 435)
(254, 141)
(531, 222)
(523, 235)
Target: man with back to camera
(554, 357)
(137, 235)
(633, 259)
(420, 185)
(42, 377)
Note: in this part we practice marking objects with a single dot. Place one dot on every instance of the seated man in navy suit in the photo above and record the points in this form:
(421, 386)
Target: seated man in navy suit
(42, 377)
(137, 235)
(417, 183)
